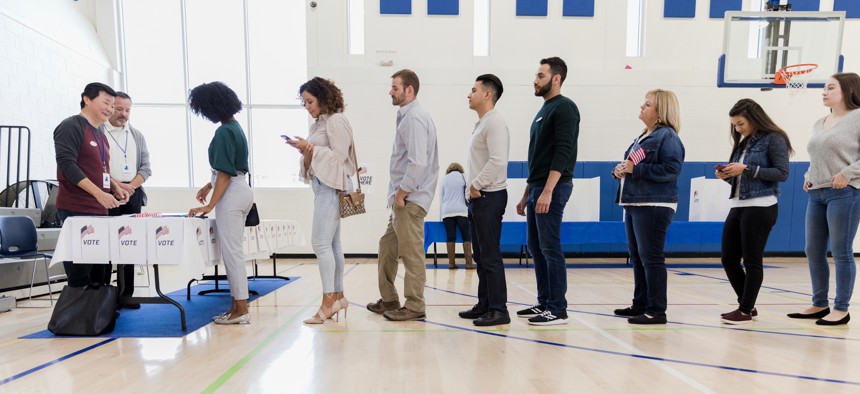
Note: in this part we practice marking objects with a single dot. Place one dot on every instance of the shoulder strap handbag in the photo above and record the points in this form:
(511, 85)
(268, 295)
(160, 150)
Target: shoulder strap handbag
(352, 203)
(253, 217)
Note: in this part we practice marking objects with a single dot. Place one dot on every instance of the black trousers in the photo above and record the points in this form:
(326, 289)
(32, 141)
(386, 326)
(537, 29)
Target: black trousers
(745, 235)
(134, 205)
(452, 223)
(485, 217)
(80, 275)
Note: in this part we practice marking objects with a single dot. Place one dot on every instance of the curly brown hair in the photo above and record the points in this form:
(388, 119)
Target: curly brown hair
(329, 96)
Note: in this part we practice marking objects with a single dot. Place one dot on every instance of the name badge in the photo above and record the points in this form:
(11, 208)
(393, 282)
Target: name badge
(106, 180)
(126, 170)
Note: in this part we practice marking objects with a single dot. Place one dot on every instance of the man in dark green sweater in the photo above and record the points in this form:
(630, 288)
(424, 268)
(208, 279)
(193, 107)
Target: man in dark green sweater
(552, 156)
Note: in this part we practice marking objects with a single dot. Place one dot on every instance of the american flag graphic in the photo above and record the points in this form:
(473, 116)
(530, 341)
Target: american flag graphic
(637, 154)
(161, 231)
(123, 231)
(87, 230)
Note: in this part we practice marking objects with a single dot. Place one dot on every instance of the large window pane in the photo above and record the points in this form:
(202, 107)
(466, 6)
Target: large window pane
(164, 129)
(153, 43)
(277, 50)
(202, 131)
(216, 43)
(275, 163)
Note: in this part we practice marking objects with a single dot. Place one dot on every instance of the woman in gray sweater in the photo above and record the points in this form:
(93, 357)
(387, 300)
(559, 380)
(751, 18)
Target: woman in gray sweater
(833, 184)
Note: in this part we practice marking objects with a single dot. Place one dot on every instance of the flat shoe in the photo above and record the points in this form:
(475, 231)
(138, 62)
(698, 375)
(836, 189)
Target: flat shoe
(816, 315)
(844, 320)
(244, 319)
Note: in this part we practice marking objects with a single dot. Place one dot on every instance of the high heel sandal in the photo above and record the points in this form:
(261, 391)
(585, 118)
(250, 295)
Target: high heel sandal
(341, 304)
(321, 317)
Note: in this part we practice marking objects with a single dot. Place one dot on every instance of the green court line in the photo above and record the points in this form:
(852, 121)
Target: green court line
(214, 386)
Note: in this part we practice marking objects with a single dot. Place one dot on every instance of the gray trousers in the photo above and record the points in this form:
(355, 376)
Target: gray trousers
(230, 216)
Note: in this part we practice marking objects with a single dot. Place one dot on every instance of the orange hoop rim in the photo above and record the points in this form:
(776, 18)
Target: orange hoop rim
(784, 74)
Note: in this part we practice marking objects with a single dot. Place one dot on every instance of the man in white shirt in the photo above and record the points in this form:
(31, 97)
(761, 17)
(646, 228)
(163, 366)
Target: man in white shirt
(487, 193)
(414, 170)
(129, 166)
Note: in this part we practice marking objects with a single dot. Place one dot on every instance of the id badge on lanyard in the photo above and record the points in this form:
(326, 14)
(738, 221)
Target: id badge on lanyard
(102, 146)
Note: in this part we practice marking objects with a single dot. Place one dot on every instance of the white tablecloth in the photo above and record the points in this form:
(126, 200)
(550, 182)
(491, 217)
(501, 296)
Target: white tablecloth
(190, 243)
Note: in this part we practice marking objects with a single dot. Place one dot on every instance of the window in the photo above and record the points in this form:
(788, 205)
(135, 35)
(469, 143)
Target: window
(257, 47)
(482, 28)
(635, 27)
(757, 31)
(356, 27)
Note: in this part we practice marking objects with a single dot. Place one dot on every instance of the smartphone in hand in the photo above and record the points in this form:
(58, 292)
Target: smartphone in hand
(286, 137)
(720, 167)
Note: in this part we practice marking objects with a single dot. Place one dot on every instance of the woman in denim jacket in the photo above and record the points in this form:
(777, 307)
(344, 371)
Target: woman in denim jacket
(648, 192)
(758, 163)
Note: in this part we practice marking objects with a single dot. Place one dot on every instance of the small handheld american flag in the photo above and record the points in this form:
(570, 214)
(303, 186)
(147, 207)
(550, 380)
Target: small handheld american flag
(637, 153)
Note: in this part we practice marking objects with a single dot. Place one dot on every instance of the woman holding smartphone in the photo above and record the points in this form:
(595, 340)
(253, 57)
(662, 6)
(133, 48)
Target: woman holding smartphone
(327, 163)
(757, 164)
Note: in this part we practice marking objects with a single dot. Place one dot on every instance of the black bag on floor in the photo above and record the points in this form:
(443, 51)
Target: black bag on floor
(86, 311)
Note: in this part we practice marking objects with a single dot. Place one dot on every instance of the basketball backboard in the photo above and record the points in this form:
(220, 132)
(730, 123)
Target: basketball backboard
(757, 44)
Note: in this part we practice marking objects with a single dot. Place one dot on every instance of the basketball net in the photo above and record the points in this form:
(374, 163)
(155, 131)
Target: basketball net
(795, 77)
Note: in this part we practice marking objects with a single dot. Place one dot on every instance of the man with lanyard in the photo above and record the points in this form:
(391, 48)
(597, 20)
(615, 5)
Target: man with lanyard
(129, 166)
(83, 172)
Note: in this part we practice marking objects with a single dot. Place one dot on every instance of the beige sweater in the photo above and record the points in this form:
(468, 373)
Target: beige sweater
(835, 150)
(332, 162)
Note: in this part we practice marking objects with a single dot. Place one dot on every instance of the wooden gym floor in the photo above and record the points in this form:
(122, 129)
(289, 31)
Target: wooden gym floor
(594, 352)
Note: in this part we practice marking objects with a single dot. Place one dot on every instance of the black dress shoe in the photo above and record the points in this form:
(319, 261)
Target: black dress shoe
(844, 320)
(629, 312)
(816, 315)
(493, 318)
(130, 305)
(645, 319)
(472, 313)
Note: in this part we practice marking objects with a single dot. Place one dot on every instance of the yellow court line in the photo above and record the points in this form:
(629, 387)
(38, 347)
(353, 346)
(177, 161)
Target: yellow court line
(2, 345)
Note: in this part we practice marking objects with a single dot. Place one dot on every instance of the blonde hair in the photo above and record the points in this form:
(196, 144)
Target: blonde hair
(455, 167)
(668, 110)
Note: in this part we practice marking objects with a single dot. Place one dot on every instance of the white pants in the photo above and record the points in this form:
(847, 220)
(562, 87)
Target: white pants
(230, 216)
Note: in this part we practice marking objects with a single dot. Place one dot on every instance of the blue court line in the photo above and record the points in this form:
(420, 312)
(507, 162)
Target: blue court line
(726, 280)
(48, 364)
(84, 350)
(645, 357)
(721, 327)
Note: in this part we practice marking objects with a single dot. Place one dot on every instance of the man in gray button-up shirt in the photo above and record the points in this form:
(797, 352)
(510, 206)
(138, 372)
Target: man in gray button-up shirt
(414, 171)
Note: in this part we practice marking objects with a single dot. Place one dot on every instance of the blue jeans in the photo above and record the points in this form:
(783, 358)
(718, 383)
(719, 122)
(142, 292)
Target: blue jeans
(325, 236)
(544, 241)
(832, 215)
(646, 236)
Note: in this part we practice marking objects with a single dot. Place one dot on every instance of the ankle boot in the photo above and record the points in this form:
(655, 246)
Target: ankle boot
(451, 264)
(467, 253)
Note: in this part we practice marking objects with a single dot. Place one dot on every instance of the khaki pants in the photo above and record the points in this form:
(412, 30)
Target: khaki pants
(404, 238)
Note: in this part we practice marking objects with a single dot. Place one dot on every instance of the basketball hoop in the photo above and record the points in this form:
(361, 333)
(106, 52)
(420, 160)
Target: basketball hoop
(794, 77)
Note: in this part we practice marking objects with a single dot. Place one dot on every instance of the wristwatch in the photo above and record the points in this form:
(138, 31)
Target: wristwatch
(747, 170)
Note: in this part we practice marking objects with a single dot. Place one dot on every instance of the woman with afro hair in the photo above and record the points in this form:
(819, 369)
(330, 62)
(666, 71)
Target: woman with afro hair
(232, 196)
(327, 163)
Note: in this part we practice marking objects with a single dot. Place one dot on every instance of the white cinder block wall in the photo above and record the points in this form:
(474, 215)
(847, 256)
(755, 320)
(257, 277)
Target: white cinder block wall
(680, 55)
